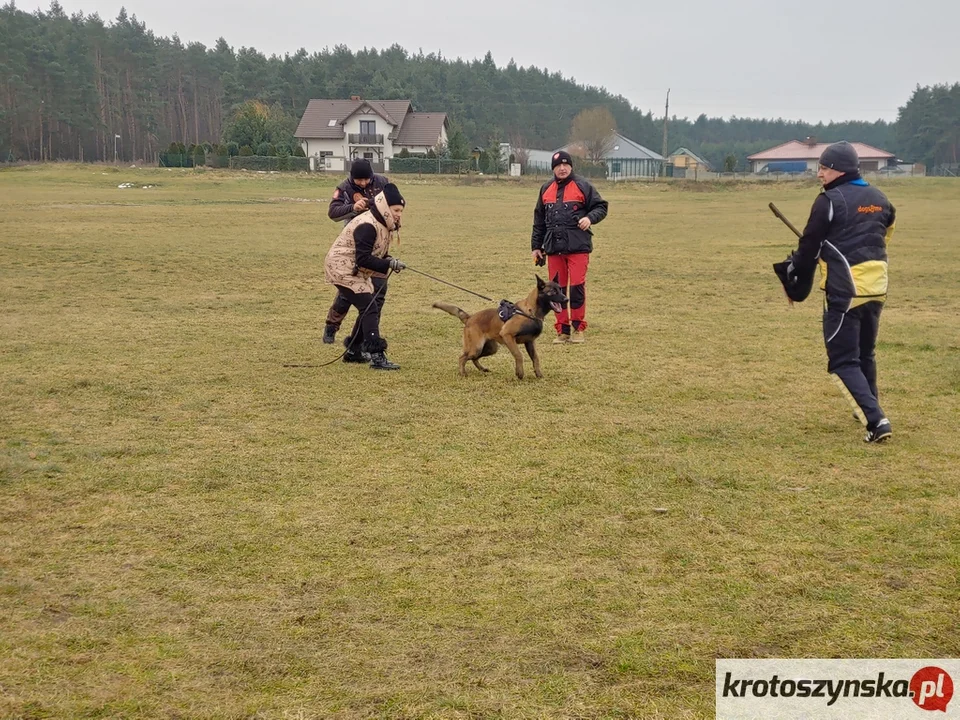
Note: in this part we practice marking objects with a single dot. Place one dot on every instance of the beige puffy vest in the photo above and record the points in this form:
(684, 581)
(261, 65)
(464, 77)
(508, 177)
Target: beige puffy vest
(340, 266)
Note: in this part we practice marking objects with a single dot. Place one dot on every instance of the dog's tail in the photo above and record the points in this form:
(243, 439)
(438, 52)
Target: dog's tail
(453, 310)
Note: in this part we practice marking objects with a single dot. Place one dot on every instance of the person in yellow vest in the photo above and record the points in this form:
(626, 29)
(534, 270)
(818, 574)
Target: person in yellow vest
(850, 224)
(361, 250)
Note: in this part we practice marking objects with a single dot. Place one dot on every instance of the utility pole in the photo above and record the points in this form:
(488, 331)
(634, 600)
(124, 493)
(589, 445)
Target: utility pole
(666, 114)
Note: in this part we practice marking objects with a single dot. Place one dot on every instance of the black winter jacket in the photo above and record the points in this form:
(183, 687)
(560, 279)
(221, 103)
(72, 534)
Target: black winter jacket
(346, 194)
(561, 205)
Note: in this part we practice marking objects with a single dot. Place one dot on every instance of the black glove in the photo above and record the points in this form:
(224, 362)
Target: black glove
(796, 286)
(396, 265)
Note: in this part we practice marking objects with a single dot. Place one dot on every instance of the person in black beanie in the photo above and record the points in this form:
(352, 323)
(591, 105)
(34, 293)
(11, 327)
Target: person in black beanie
(568, 206)
(847, 233)
(352, 197)
(361, 250)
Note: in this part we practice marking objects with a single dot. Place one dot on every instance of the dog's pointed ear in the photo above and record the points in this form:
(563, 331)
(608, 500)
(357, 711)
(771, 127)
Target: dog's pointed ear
(540, 283)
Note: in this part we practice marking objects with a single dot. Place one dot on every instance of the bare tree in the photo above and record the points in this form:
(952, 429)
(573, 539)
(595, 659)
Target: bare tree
(594, 131)
(577, 149)
(521, 152)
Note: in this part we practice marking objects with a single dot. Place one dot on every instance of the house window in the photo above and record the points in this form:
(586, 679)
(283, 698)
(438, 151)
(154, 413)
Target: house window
(368, 156)
(616, 167)
(368, 127)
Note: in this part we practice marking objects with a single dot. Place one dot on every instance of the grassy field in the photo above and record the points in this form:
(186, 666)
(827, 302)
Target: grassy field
(190, 529)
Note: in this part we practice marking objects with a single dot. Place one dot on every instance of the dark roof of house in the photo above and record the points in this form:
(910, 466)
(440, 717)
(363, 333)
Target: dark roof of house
(421, 129)
(323, 119)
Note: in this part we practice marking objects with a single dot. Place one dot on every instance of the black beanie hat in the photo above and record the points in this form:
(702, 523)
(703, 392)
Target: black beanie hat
(392, 195)
(842, 157)
(361, 169)
(561, 157)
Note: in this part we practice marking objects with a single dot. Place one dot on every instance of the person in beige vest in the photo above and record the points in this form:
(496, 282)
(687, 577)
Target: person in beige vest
(362, 251)
(352, 197)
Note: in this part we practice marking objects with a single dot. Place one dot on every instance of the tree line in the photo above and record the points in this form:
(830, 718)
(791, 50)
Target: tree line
(79, 88)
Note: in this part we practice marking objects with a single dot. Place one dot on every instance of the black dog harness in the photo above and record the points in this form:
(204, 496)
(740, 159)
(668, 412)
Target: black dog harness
(508, 310)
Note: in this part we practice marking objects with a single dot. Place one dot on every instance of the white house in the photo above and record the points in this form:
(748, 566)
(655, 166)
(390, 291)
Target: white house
(539, 159)
(337, 132)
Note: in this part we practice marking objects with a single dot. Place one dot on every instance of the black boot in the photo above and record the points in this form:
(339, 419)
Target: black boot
(355, 356)
(329, 334)
(354, 352)
(378, 361)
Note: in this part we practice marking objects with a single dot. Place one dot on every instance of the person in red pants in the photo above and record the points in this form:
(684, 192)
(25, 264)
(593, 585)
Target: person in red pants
(567, 208)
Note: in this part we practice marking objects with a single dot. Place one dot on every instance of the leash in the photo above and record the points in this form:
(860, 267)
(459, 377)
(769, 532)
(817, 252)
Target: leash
(471, 292)
(511, 307)
(339, 357)
(505, 305)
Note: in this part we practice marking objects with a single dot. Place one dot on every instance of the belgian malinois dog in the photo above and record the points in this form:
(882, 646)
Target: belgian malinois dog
(485, 331)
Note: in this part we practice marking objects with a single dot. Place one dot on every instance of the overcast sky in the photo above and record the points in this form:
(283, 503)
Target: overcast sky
(845, 60)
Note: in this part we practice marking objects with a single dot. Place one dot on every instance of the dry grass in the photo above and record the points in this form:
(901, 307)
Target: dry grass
(188, 529)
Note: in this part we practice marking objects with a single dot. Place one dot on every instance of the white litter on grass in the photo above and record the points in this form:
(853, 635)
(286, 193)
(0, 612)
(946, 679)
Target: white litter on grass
(124, 186)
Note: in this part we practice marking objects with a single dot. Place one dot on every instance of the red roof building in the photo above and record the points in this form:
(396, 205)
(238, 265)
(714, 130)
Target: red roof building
(802, 155)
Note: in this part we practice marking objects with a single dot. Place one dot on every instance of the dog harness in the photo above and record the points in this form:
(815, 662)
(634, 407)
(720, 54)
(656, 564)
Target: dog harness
(507, 310)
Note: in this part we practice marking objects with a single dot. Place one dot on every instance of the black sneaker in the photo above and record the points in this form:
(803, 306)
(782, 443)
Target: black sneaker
(329, 335)
(355, 356)
(881, 432)
(378, 361)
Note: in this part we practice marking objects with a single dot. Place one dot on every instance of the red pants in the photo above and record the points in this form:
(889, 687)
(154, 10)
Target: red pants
(571, 270)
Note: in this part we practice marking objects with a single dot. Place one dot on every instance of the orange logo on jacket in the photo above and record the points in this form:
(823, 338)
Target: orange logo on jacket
(869, 209)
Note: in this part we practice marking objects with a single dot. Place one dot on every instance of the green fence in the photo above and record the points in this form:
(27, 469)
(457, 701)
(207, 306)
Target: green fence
(266, 162)
(176, 160)
(621, 169)
(249, 162)
(581, 168)
(428, 166)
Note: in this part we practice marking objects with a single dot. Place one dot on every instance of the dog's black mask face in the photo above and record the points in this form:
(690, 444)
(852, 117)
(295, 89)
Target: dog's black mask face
(550, 296)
